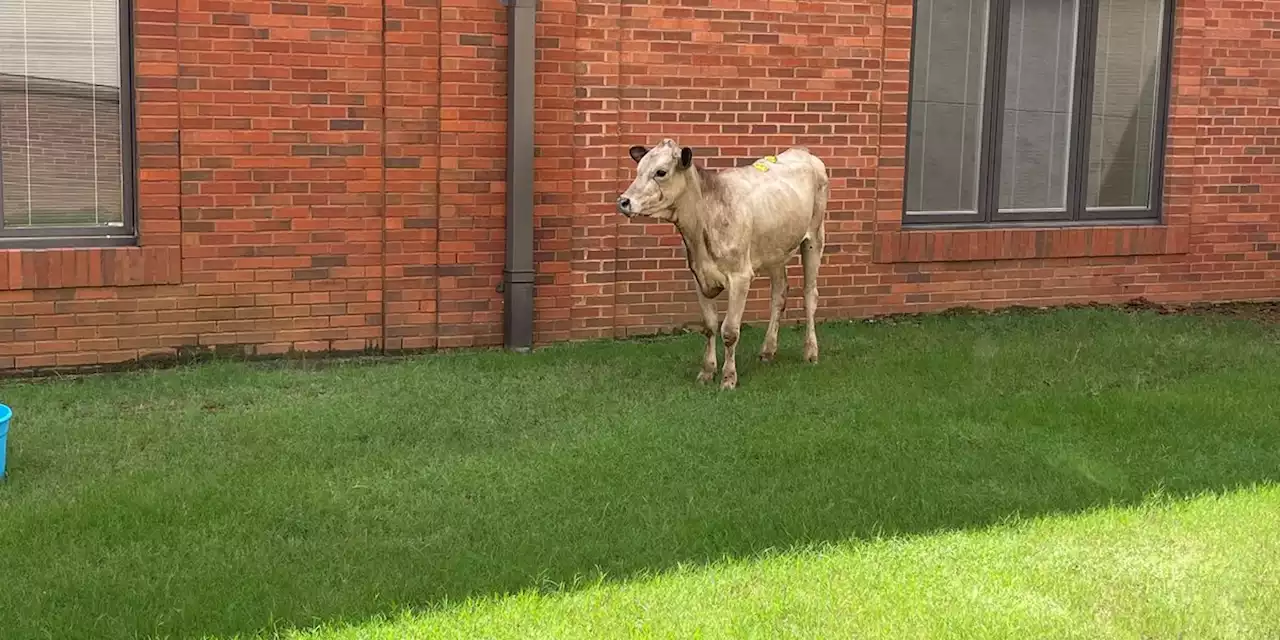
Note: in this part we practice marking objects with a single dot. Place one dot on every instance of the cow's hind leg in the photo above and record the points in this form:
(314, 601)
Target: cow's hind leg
(777, 304)
(738, 287)
(811, 254)
(709, 320)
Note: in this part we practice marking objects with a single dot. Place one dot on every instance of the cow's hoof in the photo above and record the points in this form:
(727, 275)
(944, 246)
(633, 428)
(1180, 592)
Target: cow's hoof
(766, 357)
(706, 376)
(811, 355)
(729, 382)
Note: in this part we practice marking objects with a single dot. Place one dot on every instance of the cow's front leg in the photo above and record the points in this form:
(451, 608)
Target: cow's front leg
(737, 289)
(709, 319)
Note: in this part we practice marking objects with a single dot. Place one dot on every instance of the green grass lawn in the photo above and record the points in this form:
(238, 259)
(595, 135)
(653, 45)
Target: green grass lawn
(1076, 474)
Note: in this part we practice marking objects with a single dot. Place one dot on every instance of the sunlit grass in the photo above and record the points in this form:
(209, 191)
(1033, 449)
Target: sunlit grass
(1199, 569)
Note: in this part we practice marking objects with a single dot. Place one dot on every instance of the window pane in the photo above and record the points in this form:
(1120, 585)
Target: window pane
(1037, 104)
(1124, 102)
(60, 113)
(946, 105)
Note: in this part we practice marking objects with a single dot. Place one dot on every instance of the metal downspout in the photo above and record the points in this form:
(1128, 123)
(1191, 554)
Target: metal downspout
(517, 275)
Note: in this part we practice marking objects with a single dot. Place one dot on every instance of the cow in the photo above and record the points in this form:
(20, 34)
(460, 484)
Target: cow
(735, 224)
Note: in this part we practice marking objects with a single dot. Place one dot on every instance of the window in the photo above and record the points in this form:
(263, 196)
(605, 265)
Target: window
(66, 152)
(1035, 111)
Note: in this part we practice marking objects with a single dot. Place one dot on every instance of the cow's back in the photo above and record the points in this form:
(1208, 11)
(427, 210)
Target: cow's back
(783, 185)
(773, 201)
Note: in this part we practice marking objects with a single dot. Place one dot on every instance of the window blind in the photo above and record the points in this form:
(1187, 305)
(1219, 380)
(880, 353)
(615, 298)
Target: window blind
(60, 114)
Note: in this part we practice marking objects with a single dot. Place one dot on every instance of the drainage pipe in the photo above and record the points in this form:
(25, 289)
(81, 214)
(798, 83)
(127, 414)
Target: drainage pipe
(517, 274)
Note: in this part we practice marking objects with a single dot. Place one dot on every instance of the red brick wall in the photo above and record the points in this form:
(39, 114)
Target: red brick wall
(329, 175)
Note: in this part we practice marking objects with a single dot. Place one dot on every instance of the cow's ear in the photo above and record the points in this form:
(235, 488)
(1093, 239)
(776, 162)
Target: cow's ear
(637, 152)
(686, 157)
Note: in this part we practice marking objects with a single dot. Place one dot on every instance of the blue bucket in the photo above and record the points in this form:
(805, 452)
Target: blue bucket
(5, 415)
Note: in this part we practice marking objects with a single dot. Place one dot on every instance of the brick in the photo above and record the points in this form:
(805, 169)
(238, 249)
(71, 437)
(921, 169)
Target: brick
(303, 161)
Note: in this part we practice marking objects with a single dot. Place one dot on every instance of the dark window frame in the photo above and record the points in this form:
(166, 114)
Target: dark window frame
(100, 235)
(1076, 212)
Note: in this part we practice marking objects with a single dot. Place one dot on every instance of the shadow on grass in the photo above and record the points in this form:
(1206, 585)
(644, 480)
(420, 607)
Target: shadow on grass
(230, 499)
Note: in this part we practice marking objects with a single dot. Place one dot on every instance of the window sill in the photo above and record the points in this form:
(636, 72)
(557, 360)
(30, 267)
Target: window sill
(963, 245)
(90, 267)
(67, 242)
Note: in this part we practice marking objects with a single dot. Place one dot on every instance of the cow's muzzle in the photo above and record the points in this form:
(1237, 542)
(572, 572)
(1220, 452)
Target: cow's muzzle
(624, 207)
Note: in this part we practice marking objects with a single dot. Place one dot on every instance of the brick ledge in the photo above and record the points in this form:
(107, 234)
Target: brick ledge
(961, 245)
(102, 267)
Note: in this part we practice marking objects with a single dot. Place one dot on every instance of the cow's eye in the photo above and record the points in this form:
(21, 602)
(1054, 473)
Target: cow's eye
(661, 173)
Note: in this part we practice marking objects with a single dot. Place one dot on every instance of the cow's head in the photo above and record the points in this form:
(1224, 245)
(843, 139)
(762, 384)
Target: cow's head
(662, 175)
